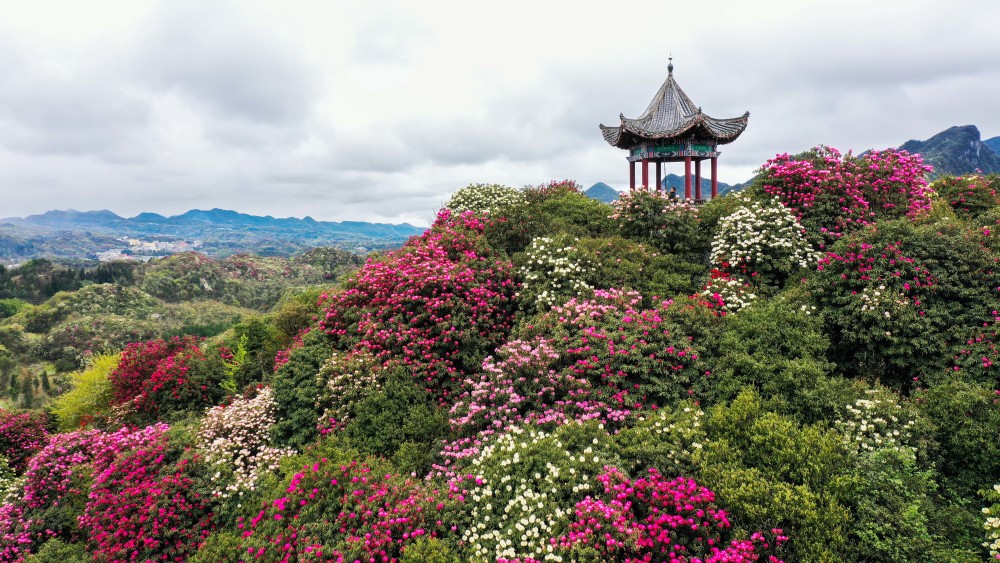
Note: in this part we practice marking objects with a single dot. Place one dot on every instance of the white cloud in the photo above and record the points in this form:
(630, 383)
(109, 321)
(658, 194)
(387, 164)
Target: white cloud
(378, 110)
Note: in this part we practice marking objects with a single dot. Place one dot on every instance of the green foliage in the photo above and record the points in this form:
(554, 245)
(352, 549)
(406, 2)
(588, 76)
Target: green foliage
(778, 347)
(398, 422)
(891, 501)
(10, 307)
(965, 420)
(669, 225)
(896, 295)
(617, 262)
(90, 395)
(219, 547)
(665, 439)
(296, 389)
(576, 214)
(430, 550)
(772, 472)
(57, 551)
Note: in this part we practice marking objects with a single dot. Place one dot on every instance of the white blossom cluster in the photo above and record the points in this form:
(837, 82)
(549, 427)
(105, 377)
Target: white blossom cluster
(734, 292)
(523, 502)
(347, 379)
(237, 438)
(878, 422)
(763, 237)
(992, 524)
(679, 433)
(553, 272)
(10, 485)
(485, 198)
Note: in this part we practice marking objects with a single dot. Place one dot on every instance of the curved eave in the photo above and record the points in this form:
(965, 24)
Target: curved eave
(722, 131)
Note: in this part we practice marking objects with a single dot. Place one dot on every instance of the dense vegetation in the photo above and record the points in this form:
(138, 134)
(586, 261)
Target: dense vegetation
(805, 371)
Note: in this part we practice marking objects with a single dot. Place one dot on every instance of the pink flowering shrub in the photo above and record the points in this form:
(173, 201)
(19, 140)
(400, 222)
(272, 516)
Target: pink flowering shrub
(438, 305)
(658, 519)
(146, 506)
(833, 194)
(282, 357)
(17, 533)
(58, 479)
(637, 359)
(519, 385)
(343, 512)
(21, 435)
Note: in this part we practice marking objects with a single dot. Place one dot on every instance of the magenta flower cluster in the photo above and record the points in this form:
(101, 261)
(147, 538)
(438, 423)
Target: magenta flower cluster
(437, 306)
(21, 435)
(833, 194)
(343, 512)
(658, 519)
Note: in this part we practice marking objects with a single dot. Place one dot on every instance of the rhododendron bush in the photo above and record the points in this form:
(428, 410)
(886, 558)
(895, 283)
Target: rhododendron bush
(21, 435)
(656, 519)
(833, 194)
(331, 511)
(438, 305)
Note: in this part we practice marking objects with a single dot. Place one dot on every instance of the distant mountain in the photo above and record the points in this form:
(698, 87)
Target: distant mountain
(956, 150)
(993, 144)
(602, 192)
(675, 181)
(219, 231)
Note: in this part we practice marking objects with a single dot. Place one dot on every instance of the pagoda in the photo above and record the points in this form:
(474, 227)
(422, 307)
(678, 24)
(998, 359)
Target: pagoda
(674, 129)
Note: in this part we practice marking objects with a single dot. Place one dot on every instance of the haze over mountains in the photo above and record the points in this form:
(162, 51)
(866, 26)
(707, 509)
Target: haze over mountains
(218, 232)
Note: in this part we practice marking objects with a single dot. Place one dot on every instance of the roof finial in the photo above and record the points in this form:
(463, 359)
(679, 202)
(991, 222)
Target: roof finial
(670, 67)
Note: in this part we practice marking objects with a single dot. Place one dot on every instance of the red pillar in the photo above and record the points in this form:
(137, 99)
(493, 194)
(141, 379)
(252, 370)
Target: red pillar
(697, 180)
(645, 174)
(715, 177)
(631, 175)
(659, 178)
(687, 177)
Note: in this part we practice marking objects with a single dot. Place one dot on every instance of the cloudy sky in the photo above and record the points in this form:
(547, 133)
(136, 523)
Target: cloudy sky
(378, 110)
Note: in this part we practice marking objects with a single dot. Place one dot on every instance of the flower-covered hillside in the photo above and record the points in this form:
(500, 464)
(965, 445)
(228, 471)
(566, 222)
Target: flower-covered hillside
(805, 371)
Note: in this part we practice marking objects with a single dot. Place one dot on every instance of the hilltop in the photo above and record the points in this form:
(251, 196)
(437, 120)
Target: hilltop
(957, 150)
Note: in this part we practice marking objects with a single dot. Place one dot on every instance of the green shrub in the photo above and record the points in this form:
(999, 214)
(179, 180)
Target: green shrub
(668, 225)
(90, 396)
(56, 551)
(297, 388)
(576, 214)
(219, 547)
(772, 472)
(617, 262)
(430, 550)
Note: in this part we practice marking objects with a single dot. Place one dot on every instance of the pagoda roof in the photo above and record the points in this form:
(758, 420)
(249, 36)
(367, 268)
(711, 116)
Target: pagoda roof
(671, 115)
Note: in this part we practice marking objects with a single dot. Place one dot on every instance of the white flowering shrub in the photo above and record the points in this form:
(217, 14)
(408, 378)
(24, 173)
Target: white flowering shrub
(528, 482)
(486, 198)
(877, 422)
(554, 270)
(992, 523)
(10, 484)
(763, 241)
(237, 438)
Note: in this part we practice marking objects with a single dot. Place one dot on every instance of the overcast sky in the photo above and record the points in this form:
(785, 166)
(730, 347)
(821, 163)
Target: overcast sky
(378, 110)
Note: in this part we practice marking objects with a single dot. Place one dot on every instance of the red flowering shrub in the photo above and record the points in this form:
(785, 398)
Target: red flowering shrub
(146, 507)
(656, 519)
(138, 362)
(834, 194)
(21, 435)
(186, 381)
(438, 305)
(349, 512)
